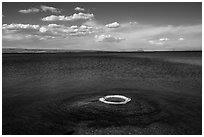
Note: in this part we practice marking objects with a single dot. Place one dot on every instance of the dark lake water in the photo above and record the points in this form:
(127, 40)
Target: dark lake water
(36, 85)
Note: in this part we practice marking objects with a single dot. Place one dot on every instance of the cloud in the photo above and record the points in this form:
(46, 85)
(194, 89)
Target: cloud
(17, 32)
(43, 8)
(108, 38)
(133, 23)
(12, 37)
(83, 27)
(54, 18)
(82, 30)
(166, 34)
(147, 37)
(54, 30)
(74, 27)
(181, 39)
(43, 29)
(55, 25)
(50, 31)
(64, 31)
(51, 9)
(164, 39)
(113, 25)
(75, 16)
(160, 41)
(156, 42)
(79, 9)
(20, 26)
(12, 32)
(31, 10)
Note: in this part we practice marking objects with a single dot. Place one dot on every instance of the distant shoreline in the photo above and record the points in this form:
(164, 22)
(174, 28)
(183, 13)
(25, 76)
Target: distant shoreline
(27, 51)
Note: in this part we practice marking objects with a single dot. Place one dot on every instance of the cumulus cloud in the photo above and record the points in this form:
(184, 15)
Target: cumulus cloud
(54, 18)
(75, 16)
(164, 39)
(54, 29)
(108, 38)
(85, 27)
(42, 8)
(156, 42)
(113, 25)
(160, 41)
(20, 26)
(50, 31)
(147, 37)
(161, 37)
(43, 29)
(12, 32)
(74, 27)
(31, 10)
(181, 39)
(51, 9)
(63, 31)
(55, 25)
(133, 23)
(79, 9)
(81, 30)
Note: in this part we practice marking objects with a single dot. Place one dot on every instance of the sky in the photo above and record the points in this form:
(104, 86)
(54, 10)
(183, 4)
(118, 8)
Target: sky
(116, 26)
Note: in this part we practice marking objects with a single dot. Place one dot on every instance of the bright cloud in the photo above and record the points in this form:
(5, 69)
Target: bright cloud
(181, 39)
(108, 38)
(75, 16)
(79, 9)
(51, 9)
(74, 27)
(20, 26)
(113, 25)
(160, 41)
(82, 26)
(81, 30)
(55, 25)
(127, 37)
(133, 23)
(12, 32)
(64, 31)
(156, 42)
(164, 39)
(42, 8)
(32, 10)
(43, 29)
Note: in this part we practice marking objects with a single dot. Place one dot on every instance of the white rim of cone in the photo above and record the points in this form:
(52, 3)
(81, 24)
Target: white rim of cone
(103, 99)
